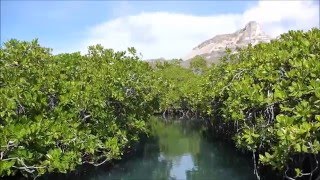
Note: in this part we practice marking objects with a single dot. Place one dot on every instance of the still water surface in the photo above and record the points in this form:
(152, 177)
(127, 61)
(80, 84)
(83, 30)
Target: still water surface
(179, 152)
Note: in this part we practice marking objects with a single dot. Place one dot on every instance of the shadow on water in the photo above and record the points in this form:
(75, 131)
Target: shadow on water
(177, 150)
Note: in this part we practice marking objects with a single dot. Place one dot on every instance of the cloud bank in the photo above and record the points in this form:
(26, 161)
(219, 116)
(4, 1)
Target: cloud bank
(173, 35)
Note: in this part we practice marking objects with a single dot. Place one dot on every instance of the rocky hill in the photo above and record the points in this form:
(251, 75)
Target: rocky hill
(214, 48)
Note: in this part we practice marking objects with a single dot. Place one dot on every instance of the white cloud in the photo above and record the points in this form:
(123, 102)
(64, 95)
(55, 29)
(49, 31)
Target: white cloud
(171, 35)
(278, 17)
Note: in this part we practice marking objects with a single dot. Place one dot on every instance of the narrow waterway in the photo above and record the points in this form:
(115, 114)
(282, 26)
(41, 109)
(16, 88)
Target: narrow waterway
(179, 151)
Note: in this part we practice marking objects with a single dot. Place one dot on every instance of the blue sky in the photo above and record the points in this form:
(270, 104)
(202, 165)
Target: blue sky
(68, 26)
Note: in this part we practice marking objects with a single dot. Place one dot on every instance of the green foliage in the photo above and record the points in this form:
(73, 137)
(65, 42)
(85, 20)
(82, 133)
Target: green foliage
(266, 97)
(177, 86)
(270, 95)
(61, 111)
(198, 64)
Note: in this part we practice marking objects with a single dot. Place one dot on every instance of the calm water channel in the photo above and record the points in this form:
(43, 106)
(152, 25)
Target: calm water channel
(179, 152)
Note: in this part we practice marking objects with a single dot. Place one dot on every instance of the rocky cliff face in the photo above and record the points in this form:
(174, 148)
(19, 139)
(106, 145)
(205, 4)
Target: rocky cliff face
(214, 48)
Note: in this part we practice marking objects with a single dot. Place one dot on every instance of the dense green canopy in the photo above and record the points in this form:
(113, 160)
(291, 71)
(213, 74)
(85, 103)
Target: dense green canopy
(60, 111)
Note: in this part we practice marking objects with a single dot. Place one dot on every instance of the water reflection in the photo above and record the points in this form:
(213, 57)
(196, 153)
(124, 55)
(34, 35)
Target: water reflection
(178, 151)
(193, 157)
(182, 165)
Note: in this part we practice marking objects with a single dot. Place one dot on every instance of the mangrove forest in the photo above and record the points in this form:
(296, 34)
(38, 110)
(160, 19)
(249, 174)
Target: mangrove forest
(61, 112)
